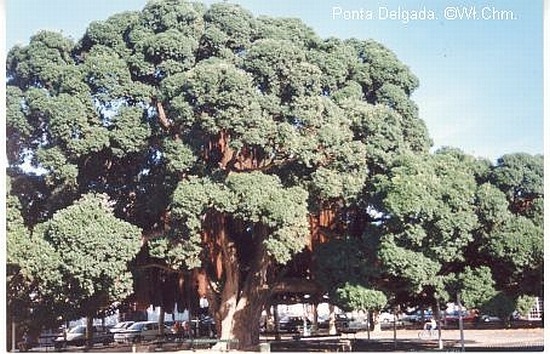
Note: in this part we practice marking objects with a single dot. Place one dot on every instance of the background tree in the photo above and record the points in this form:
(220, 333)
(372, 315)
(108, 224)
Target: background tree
(477, 287)
(232, 141)
(524, 304)
(428, 215)
(32, 268)
(94, 248)
(449, 223)
(358, 298)
(511, 236)
(75, 264)
(501, 305)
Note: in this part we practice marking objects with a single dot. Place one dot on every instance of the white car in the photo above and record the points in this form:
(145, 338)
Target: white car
(77, 336)
(142, 331)
(121, 326)
(386, 318)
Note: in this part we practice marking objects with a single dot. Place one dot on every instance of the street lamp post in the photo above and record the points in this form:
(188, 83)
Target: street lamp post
(460, 322)
(13, 336)
(439, 339)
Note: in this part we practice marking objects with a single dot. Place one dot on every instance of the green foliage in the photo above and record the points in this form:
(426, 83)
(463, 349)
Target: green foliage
(524, 304)
(236, 24)
(477, 286)
(492, 206)
(180, 157)
(129, 132)
(431, 199)
(519, 175)
(510, 210)
(356, 297)
(447, 211)
(76, 264)
(518, 242)
(94, 248)
(255, 198)
(414, 268)
(292, 29)
(61, 172)
(500, 305)
(41, 62)
(340, 260)
(430, 216)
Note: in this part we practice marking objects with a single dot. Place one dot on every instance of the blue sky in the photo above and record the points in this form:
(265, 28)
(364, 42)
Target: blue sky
(480, 63)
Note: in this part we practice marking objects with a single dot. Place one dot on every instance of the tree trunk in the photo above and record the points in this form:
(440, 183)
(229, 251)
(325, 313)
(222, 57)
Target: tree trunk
(332, 320)
(315, 323)
(89, 331)
(376, 321)
(242, 299)
(276, 320)
(161, 322)
(369, 324)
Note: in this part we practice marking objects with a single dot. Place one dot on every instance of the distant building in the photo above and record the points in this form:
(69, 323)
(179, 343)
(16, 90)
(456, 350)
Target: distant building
(537, 311)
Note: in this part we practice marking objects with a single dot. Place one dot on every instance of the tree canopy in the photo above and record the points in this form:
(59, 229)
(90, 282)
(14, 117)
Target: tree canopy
(236, 144)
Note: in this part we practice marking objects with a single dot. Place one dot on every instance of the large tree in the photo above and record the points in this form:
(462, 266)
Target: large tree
(233, 141)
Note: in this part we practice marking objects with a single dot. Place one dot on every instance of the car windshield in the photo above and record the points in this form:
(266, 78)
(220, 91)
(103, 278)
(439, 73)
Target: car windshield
(136, 326)
(78, 329)
(121, 325)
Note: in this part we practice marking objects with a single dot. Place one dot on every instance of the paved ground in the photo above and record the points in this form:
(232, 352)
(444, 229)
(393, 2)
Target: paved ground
(486, 340)
(480, 340)
(474, 340)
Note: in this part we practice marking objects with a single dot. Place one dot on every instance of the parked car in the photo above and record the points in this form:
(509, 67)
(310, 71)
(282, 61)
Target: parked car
(490, 318)
(204, 326)
(358, 324)
(77, 336)
(417, 316)
(142, 331)
(121, 326)
(386, 317)
(293, 324)
(342, 321)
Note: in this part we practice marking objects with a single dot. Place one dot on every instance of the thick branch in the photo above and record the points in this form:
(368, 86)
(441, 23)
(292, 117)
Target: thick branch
(162, 267)
(163, 119)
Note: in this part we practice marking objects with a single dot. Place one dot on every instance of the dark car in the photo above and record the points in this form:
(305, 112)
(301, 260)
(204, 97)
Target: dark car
(293, 324)
(205, 326)
(341, 321)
